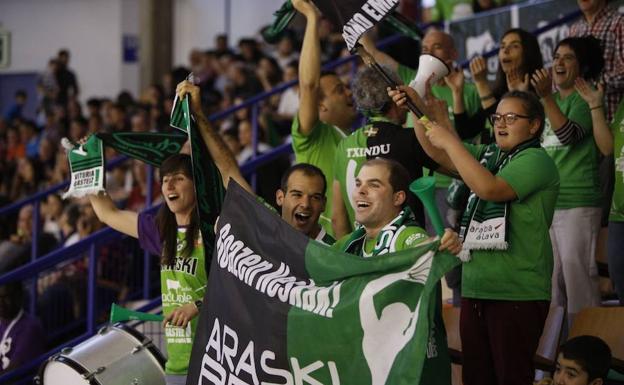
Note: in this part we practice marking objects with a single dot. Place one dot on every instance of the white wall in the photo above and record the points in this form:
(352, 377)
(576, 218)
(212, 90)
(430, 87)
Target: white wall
(90, 29)
(130, 25)
(197, 22)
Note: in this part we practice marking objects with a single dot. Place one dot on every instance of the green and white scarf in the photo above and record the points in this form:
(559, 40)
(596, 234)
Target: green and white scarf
(386, 240)
(484, 223)
(86, 164)
(86, 161)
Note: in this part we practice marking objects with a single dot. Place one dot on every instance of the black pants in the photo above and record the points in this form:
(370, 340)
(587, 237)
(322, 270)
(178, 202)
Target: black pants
(499, 340)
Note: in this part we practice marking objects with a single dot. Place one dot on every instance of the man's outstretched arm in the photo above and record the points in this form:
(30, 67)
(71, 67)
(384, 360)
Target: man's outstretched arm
(221, 154)
(309, 68)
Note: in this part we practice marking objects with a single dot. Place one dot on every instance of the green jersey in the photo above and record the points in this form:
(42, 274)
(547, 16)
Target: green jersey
(319, 148)
(522, 272)
(617, 127)
(182, 283)
(436, 370)
(447, 10)
(472, 105)
(383, 139)
(577, 162)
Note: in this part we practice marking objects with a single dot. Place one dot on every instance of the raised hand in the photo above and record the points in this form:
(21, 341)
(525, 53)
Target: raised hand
(450, 242)
(478, 69)
(516, 81)
(399, 95)
(185, 87)
(438, 135)
(305, 7)
(592, 96)
(542, 82)
(455, 80)
(437, 111)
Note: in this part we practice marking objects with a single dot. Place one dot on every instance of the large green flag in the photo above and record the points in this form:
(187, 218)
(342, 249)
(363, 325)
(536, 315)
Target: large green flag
(284, 309)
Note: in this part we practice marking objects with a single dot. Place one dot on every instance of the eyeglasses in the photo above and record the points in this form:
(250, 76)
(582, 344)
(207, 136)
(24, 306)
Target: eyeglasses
(509, 118)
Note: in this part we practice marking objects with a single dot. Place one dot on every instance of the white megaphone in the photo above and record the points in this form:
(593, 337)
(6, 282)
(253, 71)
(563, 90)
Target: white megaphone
(427, 65)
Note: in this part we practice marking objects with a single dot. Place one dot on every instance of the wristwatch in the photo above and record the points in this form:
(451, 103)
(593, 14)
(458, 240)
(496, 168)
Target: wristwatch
(198, 304)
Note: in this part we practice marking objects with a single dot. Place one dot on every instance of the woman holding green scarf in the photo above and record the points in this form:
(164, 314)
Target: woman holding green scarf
(174, 234)
(610, 140)
(506, 281)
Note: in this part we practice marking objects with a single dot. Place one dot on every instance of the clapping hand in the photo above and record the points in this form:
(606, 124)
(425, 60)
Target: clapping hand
(593, 96)
(542, 82)
(455, 80)
(478, 69)
(516, 81)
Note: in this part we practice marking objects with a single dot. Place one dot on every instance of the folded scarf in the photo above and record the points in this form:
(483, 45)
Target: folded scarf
(86, 164)
(484, 223)
(386, 240)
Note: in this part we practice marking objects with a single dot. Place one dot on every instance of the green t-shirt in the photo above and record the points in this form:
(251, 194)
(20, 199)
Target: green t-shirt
(379, 138)
(447, 10)
(436, 370)
(348, 162)
(472, 105)
(577, 162)
(182, 284)
(617, 127)
(523, 271)
(319, 149)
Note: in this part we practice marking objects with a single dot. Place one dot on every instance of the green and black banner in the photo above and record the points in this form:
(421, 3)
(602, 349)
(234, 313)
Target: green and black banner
(284, 309)
(355, 16)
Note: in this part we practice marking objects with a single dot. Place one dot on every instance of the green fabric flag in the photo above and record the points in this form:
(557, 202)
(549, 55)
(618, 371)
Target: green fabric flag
(209, 190)
(281, 19)
(86, 164)
(149, 147)
(284, 309)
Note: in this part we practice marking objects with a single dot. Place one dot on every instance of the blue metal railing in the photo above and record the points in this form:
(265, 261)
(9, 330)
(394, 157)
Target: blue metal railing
(555, 23)
(13, 207)
(107, 235)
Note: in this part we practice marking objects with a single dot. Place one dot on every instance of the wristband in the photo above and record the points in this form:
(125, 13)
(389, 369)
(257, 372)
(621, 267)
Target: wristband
(198, 304)
(595, 108)
(424, 120)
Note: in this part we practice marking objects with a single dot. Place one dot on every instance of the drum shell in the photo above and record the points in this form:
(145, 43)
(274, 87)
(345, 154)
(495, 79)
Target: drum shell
(118, 349)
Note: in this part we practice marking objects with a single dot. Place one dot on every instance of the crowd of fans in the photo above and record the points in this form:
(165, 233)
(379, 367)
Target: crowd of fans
(32, 158)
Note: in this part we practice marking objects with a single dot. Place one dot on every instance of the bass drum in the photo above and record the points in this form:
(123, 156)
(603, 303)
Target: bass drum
(116, 355)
